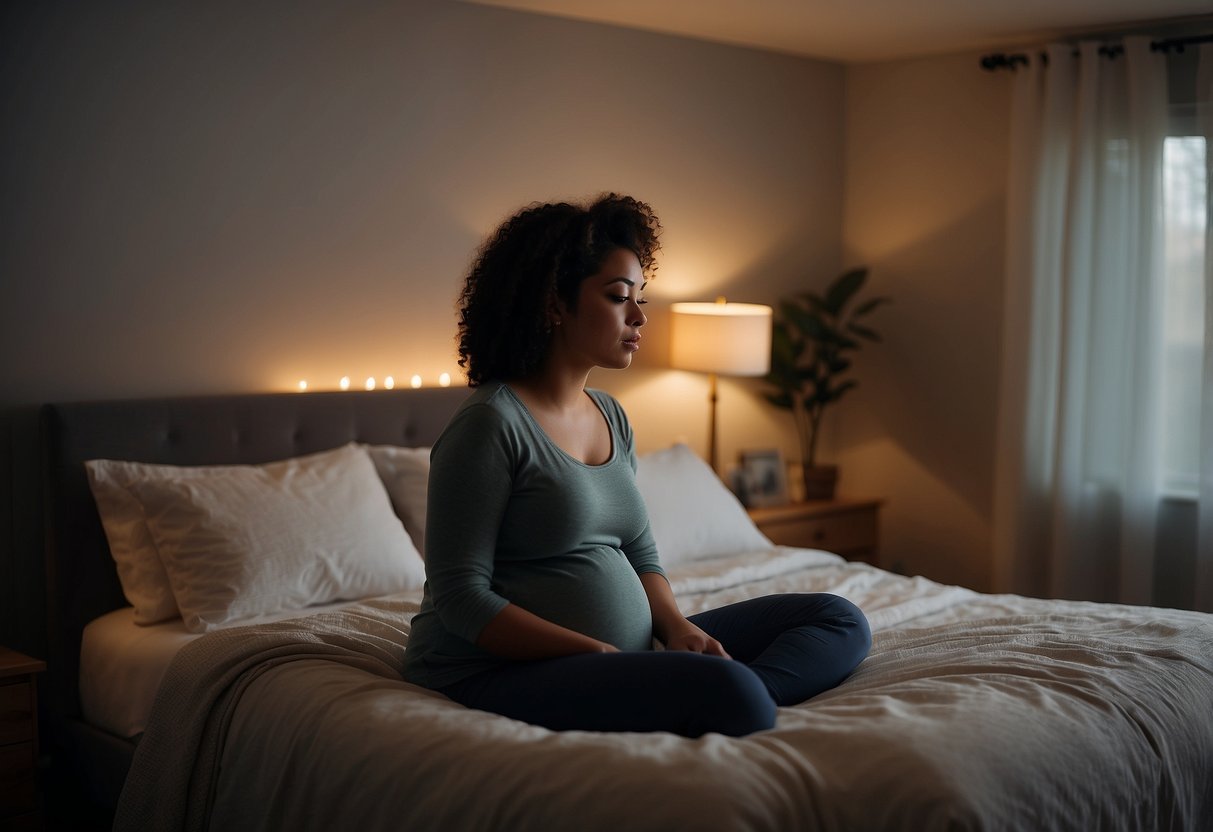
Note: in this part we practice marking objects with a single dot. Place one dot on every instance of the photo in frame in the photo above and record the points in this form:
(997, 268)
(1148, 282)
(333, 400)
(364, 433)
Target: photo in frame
(762, 479)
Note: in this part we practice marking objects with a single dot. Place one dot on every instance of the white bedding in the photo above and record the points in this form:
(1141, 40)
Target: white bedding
(972, 711)
(122, 664)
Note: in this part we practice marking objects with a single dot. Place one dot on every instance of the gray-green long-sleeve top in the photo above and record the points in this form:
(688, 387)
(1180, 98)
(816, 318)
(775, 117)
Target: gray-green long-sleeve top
(512, 518)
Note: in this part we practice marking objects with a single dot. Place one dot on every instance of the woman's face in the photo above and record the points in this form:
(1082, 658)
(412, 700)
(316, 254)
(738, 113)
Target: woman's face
(604, 329)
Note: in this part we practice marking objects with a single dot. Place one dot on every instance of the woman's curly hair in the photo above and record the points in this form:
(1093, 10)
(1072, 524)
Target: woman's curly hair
(541, 253)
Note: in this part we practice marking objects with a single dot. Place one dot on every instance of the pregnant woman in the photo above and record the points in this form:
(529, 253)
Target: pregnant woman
(544, 586)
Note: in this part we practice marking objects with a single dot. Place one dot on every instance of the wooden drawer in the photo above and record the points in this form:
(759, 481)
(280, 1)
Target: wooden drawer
(16, 712)
(20, 801)
(847, 526)
(18, 788)
(834, 533)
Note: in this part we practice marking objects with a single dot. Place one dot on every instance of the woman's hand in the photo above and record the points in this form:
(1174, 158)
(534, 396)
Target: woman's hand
(694, 640)
(671, 629)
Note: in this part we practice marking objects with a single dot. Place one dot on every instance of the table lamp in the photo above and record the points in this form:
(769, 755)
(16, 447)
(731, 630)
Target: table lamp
(721, 338)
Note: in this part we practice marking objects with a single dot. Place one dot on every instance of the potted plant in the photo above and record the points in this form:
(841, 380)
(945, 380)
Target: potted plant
(811, 340)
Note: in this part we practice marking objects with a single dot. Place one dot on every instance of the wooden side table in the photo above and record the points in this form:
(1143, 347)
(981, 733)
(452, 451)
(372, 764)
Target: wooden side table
(19, 804)
(847, 526)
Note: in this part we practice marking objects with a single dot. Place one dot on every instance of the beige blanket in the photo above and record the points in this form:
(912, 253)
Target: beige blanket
(972, 712)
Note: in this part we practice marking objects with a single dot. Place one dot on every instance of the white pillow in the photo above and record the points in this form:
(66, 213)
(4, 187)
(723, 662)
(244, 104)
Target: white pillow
(693, 515)
(406, 476)
(240, 541)
(144, 581)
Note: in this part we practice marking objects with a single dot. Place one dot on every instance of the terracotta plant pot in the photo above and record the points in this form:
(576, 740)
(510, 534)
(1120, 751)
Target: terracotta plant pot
(820, 481)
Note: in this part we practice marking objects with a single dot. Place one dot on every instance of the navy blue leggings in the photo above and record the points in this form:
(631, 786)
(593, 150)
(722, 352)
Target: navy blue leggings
(785, 649)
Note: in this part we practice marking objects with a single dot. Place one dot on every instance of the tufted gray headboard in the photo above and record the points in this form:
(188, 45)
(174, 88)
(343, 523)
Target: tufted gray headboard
(82, 582)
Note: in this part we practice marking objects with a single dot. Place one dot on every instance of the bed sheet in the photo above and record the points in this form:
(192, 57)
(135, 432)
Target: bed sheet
(972, 711)
(123, 663)
(121, 666)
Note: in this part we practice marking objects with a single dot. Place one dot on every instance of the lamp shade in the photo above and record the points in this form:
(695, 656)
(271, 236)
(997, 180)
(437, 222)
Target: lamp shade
(732, 339)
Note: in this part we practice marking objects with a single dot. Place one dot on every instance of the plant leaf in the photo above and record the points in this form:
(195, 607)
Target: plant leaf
(842, 389)
(842, 289)
(784, 351)
(783, 378)
(819, 396)
(863, 332)
(868, 305)
(816, 303)
(809, 324)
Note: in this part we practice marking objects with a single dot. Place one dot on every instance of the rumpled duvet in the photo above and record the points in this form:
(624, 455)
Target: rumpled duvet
(971, 712)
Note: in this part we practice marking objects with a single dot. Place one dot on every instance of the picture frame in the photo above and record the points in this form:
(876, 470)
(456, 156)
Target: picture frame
(762, 478)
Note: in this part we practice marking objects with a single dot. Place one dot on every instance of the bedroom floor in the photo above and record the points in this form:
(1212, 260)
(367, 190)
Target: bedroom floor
(66, 808)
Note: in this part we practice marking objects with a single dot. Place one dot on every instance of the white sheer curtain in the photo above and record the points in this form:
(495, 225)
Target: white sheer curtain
(1079, 480)
(1204, 545)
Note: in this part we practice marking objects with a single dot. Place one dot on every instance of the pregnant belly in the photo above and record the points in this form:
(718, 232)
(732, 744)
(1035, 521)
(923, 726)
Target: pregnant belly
(595, 592)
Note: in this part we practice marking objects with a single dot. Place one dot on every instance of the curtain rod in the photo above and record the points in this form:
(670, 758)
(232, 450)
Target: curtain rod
(1001, 60)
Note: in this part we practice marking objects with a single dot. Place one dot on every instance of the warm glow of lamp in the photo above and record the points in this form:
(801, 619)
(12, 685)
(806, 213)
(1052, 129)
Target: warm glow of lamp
(389, 383)
(415, 381)
(444, 380)
(344, 383)
(303, 385)
(732, 339)
(370, 383)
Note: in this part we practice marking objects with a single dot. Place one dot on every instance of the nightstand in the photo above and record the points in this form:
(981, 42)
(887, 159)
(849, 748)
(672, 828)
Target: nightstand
(19, 806)
(847, 526)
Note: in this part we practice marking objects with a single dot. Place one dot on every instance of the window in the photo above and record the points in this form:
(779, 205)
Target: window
(1185, 219)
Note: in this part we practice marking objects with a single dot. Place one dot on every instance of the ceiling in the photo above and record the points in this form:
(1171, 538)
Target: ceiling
(855, 31)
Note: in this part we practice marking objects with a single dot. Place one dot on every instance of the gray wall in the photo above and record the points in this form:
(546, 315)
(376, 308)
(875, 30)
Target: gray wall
(224, 197)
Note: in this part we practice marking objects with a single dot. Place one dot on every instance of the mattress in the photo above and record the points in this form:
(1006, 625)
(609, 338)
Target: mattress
(122, 664)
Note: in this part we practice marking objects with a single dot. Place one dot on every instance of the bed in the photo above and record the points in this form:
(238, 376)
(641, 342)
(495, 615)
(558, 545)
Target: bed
(972, 711)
